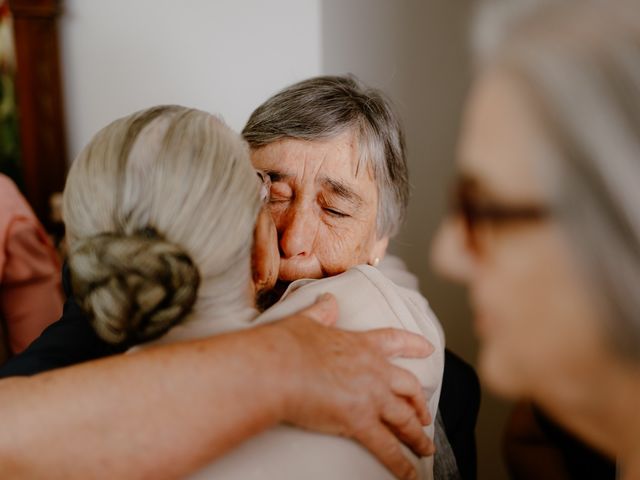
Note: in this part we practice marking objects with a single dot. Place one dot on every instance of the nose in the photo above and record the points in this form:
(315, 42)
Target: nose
(449, 255)
(297, 230)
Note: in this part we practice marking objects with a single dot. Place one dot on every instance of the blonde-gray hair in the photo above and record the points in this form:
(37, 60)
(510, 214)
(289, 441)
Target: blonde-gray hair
(579, 62)
(160, 208)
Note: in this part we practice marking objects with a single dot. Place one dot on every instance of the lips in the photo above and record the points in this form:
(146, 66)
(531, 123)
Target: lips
(295, 269)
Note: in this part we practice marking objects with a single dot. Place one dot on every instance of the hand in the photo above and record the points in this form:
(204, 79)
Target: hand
(341, 383)
(265, 258)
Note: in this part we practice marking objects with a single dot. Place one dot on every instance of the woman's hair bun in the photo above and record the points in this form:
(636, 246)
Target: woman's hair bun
(133, 287)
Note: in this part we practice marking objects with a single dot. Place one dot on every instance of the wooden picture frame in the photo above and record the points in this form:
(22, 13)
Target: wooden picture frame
(39, 99)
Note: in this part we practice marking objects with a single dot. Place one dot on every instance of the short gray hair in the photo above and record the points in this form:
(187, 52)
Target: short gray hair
(579, 62)
(324, 107)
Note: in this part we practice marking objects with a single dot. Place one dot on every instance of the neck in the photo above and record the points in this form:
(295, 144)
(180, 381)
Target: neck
(604, 413)
(628, 431)
(268, 298)
(632, 470)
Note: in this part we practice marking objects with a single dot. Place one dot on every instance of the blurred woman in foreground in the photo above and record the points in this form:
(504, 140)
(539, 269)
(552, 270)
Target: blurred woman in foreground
(546, 226)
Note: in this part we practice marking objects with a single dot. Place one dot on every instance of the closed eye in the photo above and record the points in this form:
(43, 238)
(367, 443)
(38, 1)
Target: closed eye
(280, 192)
(335, 213)
(278, 199)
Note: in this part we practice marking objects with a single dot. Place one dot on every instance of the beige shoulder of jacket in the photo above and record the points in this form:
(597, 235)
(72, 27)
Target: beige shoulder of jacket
(367, 299)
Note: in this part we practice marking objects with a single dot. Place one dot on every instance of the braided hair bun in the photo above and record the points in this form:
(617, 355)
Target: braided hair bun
(133, 287)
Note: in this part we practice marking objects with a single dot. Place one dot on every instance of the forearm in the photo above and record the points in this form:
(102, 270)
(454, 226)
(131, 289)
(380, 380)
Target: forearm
(159, 413)
(165, 412)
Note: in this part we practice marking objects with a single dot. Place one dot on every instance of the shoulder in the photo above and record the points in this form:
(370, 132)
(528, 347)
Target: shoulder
(13, 203)
(17, 220)
(367, 299)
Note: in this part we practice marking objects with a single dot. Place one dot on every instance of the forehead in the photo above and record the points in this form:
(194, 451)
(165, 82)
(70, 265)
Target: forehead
(336, 157)
(503, 144)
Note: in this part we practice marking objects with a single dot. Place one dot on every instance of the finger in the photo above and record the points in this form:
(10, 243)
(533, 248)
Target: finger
(323, 311)
(405, 384)
(392, 342)
(386, 448)
(402, 420)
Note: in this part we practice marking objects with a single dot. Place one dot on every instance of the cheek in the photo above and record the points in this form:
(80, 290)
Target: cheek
(277, 210)
(338, 249)
(343, 244)
(536, 307)
(512, 328)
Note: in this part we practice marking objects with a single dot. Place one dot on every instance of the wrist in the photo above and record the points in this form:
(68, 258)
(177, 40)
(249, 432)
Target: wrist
(274, 356)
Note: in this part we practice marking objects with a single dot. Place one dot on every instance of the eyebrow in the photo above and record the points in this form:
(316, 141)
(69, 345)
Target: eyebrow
(474, 183)
(336, 187)
(277, 176)
(342, 190)
(466, 178)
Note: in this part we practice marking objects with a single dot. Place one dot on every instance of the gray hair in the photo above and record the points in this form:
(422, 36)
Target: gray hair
(579, 61)
(324, 107)
(160, 208)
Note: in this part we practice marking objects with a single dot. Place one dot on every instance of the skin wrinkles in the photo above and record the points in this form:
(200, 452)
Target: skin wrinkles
(335, 191)
(343, 191)
(323, 206)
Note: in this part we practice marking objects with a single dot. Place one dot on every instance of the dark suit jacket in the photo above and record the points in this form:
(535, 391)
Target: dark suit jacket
(66, 342)
(459, 405)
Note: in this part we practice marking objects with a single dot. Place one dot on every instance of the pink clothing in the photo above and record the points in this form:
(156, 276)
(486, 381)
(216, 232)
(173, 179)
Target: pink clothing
(30, 294)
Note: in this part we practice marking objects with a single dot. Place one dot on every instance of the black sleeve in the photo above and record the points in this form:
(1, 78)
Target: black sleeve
(581, 460)
(68, 341)
(459, 406)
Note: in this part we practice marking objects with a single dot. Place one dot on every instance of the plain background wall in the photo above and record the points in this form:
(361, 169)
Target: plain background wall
(228, 56)
(224, 56)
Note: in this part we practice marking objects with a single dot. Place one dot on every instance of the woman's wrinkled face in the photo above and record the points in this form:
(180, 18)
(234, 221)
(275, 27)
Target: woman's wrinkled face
(533, 311)
(324, 206)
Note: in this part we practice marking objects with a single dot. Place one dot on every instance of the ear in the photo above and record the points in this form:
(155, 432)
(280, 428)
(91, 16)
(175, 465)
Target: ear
(265, 257)
(378, 250)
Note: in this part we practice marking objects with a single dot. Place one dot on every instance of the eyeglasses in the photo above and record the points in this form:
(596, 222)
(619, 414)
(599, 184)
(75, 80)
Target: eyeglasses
(479, 214)
(265, 190)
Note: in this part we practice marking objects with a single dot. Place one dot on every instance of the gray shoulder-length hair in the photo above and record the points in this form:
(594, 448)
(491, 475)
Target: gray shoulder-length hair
(324, 107)
(579, 62)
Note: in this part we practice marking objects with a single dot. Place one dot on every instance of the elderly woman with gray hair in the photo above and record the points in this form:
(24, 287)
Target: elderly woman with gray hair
(546, 225)
(335, 153)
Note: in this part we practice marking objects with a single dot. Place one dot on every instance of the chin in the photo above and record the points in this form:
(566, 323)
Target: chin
(289, 273)
(498, 374)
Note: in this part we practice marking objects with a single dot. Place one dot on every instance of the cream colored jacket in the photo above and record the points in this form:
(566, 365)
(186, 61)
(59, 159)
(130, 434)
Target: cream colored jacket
(367, 299)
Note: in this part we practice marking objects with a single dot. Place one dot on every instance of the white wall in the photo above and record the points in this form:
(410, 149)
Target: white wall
(223, 56)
